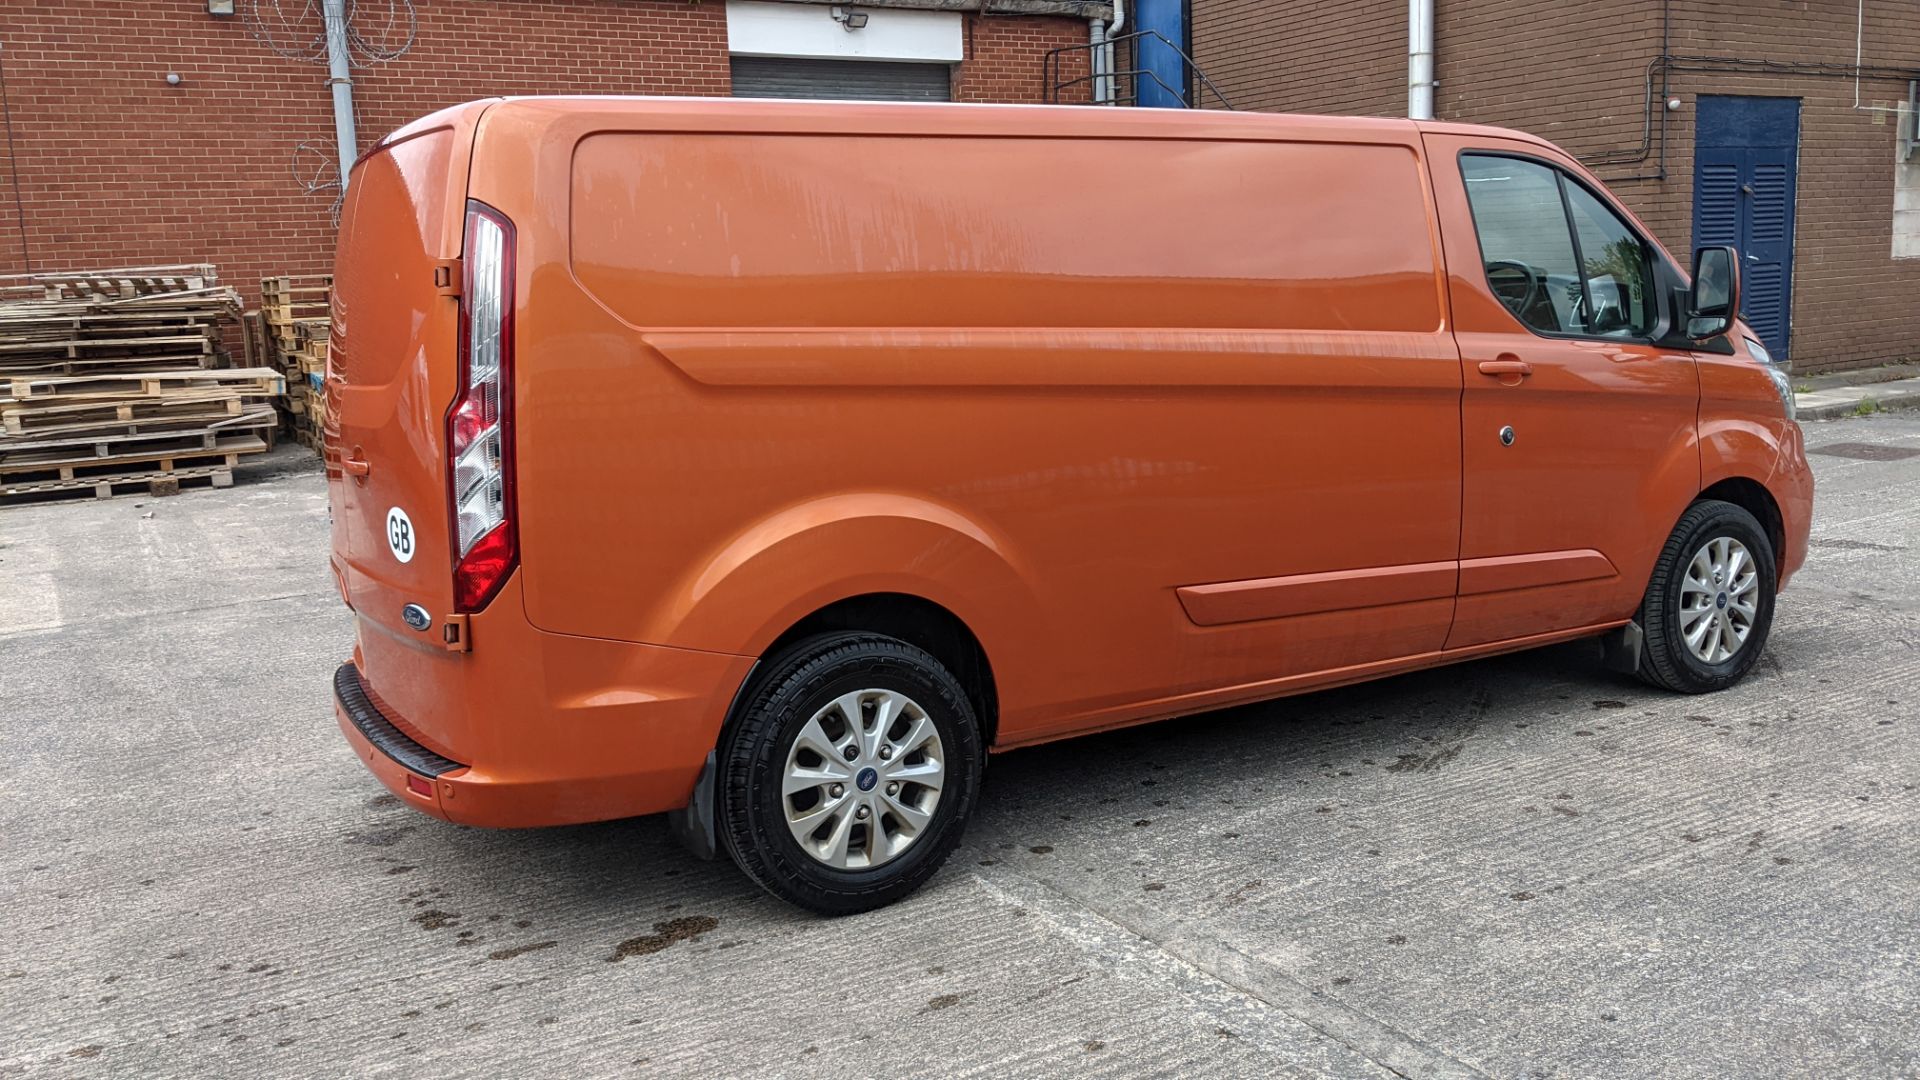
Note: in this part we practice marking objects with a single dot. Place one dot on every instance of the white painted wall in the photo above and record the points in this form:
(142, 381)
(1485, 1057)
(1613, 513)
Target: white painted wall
(1906, 198)
(755, 28)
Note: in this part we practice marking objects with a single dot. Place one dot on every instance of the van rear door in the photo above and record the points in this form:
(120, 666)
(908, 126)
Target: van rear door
(392, 375)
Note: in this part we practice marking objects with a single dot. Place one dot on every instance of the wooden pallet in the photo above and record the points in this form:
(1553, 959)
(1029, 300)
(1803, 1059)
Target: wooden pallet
(205, 422)
(117, 377)
(123, 282)
(156, 483)
(120, 384)
(58, 415)
(20, 322)
(85, 364)
(51, 466)
(294, 327)
(49, 454)
(290, 284)
(285, 301)
(115, 322)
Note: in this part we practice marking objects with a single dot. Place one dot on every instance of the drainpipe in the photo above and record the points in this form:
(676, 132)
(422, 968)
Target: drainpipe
(1420, 59)
(1113, 31)
(340, 78)
(1097, 59)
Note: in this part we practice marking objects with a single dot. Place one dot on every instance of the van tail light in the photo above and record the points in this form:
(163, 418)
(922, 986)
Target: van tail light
(480, 422)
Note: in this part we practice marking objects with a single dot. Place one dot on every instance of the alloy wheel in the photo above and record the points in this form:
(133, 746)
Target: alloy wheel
(1718, 599)
(862, 779)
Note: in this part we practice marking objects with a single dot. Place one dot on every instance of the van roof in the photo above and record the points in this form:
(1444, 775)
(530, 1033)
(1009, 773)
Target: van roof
(767, 114)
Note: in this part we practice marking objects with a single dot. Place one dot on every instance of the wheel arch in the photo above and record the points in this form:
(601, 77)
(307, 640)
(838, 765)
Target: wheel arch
(895, 563)
(1752, 496)
(915, 620)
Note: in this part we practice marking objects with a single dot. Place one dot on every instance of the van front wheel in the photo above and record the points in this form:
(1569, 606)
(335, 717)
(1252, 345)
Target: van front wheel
(850, 774)
(1709, 606)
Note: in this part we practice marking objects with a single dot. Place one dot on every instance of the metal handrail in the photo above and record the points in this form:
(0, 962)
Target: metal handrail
(1050, 69)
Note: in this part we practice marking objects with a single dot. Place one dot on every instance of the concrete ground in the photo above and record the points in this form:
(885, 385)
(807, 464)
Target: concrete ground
(1519, 867)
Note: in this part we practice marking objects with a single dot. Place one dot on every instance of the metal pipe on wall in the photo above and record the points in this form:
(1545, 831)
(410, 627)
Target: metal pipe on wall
(1096, 59)
(1420, 59)
(1105, 55)
(340, 78)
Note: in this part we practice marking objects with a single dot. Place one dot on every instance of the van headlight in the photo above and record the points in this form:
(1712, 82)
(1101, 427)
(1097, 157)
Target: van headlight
(1785, 386)
(1781, 384)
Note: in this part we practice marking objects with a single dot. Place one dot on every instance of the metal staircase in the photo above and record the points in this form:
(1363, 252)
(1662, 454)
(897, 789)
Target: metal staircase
(1122, 85)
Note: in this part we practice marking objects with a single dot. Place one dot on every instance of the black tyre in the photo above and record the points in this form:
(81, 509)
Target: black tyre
(850, 773)
(1709, 606)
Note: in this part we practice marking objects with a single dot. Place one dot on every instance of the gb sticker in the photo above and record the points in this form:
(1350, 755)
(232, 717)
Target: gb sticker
(400, 534)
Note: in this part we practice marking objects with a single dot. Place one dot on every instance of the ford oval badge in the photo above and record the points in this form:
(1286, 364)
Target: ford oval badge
(416, 616)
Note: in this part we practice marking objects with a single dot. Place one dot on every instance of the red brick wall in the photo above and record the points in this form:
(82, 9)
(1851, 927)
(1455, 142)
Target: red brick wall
(1344, 57)
(1575, 73)
(117, 168)
(1006, 55)
(1853, 304)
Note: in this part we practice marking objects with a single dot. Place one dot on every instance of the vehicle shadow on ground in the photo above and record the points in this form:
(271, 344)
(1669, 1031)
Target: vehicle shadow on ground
(1408, 722)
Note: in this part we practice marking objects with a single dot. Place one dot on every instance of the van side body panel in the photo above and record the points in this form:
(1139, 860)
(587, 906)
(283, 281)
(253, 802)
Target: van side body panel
(784, 355)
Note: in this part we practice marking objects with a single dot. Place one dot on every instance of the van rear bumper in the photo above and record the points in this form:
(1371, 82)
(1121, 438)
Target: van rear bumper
(359, 712)
(542, 730)
(391, 760)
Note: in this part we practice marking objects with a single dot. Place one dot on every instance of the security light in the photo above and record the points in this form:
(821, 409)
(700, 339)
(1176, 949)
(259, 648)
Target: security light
(220, 7)
(848, 20)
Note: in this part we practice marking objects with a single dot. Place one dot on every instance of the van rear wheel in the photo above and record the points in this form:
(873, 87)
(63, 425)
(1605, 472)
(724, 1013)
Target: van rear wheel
(1709, 606)
(850, 774)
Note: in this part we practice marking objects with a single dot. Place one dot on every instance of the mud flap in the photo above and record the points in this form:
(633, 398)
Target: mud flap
(693, 824)
(1623, 648)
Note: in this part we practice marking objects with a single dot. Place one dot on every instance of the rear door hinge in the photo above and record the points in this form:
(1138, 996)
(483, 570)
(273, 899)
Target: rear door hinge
(446, 277)
(453, 634)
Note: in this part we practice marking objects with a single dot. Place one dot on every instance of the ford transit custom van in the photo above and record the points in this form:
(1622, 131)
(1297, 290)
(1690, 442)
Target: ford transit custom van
(774, 463)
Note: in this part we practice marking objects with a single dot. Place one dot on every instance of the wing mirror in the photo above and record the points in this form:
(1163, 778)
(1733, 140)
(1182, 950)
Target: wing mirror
(1714, 299)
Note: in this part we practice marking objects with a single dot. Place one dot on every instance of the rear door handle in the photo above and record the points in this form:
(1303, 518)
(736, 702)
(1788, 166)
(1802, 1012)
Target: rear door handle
(354, 466)
(1506, 367)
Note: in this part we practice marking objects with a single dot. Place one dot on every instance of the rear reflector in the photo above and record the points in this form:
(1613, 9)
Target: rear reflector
(420, 785)
(480, 421)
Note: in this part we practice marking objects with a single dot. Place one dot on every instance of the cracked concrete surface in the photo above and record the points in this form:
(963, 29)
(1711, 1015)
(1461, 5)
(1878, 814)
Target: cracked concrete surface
(1518, 867)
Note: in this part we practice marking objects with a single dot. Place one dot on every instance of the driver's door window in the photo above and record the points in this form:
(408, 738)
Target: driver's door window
(1534, 225)
(1524, 238)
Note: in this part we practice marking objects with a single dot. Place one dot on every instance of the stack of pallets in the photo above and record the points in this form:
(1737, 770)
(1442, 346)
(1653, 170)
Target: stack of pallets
(293, 329)
(119, 377)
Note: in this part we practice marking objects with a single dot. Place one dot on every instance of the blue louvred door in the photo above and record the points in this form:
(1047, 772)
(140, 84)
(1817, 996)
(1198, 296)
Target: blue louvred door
(1744, 166)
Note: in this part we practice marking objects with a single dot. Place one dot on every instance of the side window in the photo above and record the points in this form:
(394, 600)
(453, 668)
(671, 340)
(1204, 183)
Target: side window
(1616, 266)
(1555, 255)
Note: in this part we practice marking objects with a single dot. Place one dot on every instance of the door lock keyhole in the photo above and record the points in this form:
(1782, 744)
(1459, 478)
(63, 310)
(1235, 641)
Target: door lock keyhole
(1506, 435)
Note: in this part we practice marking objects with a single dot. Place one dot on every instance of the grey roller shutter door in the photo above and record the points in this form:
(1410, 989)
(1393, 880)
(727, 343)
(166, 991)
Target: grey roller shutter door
(840, 80)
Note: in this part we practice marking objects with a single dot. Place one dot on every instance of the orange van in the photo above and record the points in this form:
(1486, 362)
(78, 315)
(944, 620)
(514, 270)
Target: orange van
(770, 463)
